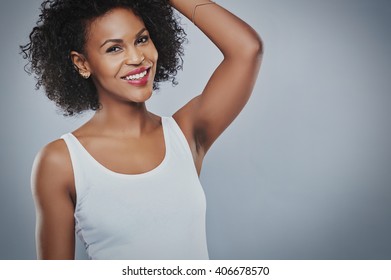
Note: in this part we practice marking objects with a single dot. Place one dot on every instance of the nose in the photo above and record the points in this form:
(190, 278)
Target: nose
(134, 56)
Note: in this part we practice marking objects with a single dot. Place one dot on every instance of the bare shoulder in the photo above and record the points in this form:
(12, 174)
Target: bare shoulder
(52, 168)
(54, 155)
(54, 151)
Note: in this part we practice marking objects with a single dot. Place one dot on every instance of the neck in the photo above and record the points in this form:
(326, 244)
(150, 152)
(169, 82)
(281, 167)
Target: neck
(129, 120)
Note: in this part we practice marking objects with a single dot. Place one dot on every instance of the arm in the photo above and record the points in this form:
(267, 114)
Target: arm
(205, 117)
(51, 182)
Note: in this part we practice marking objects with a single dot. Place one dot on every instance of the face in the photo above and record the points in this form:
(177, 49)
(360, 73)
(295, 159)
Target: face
(120, 56)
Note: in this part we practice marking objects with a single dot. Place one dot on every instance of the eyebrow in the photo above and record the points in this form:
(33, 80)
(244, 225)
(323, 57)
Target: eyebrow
(118, 41)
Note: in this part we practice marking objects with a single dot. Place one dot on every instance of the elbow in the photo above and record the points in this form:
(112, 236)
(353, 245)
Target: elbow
(259, 46)
(254, 47)
(251, 48)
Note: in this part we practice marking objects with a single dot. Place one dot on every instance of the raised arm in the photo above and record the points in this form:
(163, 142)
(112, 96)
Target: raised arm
(206, 116)
(52, 180)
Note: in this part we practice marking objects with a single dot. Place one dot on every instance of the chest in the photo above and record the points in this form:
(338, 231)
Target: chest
(127, 156)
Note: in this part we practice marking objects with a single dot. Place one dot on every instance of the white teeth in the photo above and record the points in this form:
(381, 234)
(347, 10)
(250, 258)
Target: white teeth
(137, 76)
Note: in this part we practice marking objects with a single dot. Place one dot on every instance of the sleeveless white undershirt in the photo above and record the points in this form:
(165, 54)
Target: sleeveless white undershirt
(159, 214)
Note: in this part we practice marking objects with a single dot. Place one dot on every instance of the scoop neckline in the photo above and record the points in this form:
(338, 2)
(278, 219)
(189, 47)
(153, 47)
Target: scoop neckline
(126, 175)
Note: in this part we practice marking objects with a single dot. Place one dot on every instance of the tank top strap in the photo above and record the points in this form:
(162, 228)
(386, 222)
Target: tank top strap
(76, 153)
(177, 139)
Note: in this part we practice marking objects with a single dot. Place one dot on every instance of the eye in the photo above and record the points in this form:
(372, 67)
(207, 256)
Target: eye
(113, 49)
(142, 39)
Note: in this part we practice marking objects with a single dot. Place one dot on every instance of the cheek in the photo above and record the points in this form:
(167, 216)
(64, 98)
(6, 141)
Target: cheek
(106, 67)
(155, 59)
(152, 52)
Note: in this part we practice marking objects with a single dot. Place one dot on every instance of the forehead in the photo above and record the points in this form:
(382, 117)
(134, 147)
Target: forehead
(116, 23)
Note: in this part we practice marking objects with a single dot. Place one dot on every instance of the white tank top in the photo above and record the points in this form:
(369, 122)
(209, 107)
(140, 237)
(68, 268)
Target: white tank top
(159, 214)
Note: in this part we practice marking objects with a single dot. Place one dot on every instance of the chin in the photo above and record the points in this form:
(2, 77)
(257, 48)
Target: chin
(141, 97)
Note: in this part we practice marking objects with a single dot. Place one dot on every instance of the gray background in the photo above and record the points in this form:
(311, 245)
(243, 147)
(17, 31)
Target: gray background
(303, 173)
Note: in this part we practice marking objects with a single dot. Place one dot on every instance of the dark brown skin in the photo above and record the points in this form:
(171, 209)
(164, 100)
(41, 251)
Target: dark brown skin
(123, 136)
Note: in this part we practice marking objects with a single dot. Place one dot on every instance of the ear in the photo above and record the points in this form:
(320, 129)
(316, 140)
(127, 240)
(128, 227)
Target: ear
(80, 63)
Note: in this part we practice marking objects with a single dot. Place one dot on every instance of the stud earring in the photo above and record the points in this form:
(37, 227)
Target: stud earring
(85, 75)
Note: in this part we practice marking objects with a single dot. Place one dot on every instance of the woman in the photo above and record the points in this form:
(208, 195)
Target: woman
(127, 180)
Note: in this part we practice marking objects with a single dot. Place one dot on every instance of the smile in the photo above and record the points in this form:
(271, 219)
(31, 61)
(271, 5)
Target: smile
(136, 76)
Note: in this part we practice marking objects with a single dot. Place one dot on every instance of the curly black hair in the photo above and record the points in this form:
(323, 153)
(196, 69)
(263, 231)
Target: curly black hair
(62, 28)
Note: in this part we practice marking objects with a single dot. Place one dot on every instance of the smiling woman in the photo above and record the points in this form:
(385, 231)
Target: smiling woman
(127, 180)
(119, 54)
(64, 26)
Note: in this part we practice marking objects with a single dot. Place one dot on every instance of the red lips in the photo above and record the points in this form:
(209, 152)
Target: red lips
(136, 71)
(138, 82)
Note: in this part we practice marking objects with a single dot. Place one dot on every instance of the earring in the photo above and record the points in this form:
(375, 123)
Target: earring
(85, 75)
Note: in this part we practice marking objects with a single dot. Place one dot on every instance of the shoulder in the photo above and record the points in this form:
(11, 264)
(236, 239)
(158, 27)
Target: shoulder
(53, 154)
(52, 167)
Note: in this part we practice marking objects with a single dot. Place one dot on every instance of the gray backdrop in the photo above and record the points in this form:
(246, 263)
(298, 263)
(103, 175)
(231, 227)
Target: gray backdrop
(303, 173)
